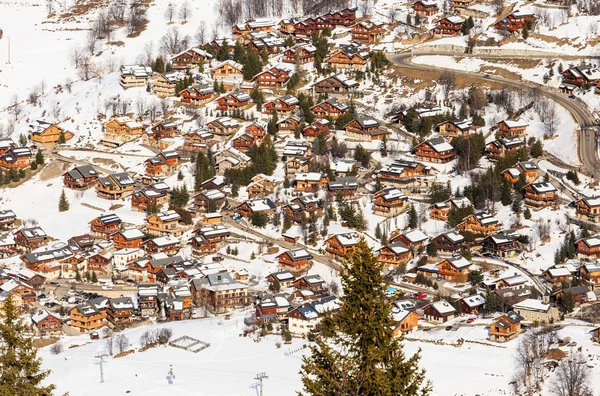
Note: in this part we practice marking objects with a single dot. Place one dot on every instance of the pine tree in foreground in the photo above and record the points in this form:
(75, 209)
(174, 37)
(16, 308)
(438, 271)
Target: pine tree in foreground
(357, 353)
(20, 368)
(63, 203)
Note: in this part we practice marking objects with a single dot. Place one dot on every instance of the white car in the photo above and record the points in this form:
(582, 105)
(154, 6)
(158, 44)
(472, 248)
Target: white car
(107, 287)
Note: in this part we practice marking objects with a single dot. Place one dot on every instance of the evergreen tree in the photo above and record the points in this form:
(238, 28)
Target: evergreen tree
(475, 277)
(286, 183)
(537, 150)
(159, 65)
(223, 52)
(180, 175)
(77, 276)
(20, 368)
(567, 302)
(377, 232)
(21, 173)
(357, 354)
(287, 222)
(527, 214)
(525, 33)
(61, 137)
(94, 277)
(412, 217)
(253, 65)
(23, 140)
(63, 203)
(383, 148)
(33, 165)
(432, 249)
(239, 53)
(39, 158)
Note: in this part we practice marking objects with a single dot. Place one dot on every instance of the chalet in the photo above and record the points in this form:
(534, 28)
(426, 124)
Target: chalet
(201, 246)
(100, 263)
(285, 278)
(530, 169)
(512, 128)
(153, 196)
(311, 282)
(165, 85)
(557, 275)
(224, 43)
(6, 144)
(318, 127)
(589, 209)
(300, 54)
(8, 246)
(46, 323)
(130, 238)
(33, 261)
(441, 210)
(503, 146)
(288, 124)
(457, 128)
(461, 3)
(190, 58)
(258, 130)
(272, 78)
(243, 142)
(505, 327)
(296, 165)
(580, 294)
(439, 312)
(284, 106)
(449, 26)
(588, 247)
(340, 245)
(513, 282)
(260, 186)
(296, 149)
(168, 245)
(405, 321)
(367, 31)
(209, 201)
(595, 334)
(119, 311)
(163, 164)
(207, 219)
(346, 57)
(449, 242)
(394, 254)
(296, 260)
(134, 76)
(346, 186)
(261, 205)
(115, 186)
(389, 202)
(364, 128)
(88, 316)
(580, 76)
(345, 17)
(233, 100)
(309, 182)
(220, 292)
(80, 177)
(305, 319)
(105, 225)
(590, 274)
(230, 158)
(403, 172)
(414, 239)
(536, 311)
(214, 183)
(48, 134)
(480, 223)
(8, 218)
(30, 238)
(515, 21)
(121, 130)
(16, 158)
(331, 108)
(336, 84)
(453, 268)
(540, 195)
(230, 73)
(419, 113)
(223, 126)
(471, 305)
(165, 224)
(425, 7)
(147, 299)
(197, 140)
(273, 308)
(302, 208)
(500, 245)
(197, 94)
(286, 26)
(435, 150)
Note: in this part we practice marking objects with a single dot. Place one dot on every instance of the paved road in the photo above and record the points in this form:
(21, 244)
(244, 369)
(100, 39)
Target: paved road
(578, 109)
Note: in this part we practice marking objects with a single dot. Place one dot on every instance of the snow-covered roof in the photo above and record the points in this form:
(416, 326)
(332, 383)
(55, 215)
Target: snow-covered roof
(520, 123)
(310, 176)
(443, 307)
(132, 233)
(415, 236)
(532, 305)
(348, 239)
(556, 272)
(542, 188)
(169, 215)
(474, 301)
(439, 144)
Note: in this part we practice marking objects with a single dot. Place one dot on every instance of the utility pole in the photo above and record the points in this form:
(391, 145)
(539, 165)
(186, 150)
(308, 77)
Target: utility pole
(260, 377)
(100, 363)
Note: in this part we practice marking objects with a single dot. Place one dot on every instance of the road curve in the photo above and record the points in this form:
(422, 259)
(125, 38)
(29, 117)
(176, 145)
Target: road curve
(582, 116)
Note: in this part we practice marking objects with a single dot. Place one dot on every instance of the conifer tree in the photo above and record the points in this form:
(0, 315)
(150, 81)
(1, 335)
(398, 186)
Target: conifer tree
(63, 203)
(412, 217)
(287, 222)
(20, 368)
(34, 166)
(357, 353)
(39, 158)
(94, 277)
(377, 232)
(61, 137)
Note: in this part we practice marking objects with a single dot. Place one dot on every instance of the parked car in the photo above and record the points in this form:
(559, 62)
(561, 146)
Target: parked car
(470, 320)
(487, 76)
(448, 328)
(420, 295)
(51, 304)
(107, 287)
(55, 284)
(572, 97)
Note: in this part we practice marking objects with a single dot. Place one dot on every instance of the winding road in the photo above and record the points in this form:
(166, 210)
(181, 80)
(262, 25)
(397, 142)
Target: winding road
(580, 113)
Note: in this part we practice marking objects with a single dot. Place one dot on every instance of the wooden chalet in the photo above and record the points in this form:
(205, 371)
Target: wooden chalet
(330, 108)
(197, 94)
(345, 186)
(557, 275)
(480, 223)
(580, 76)
(233, 100)
(512, 128)
(258, 130)
(318, 127)
(596, 334)
(29, 239)
(260, 186)
(461, 3)
(425, 7)
(46, 323)
(223, 126)
(196, 141)
(300, 54)
(100, 263)
(16, 158)
(500, 245)
(152, 196)
(190, 58)
(340, 245)
(439, 312)
(515, 21)
(130, 238)
(105, 225)
(261, 205)
(209, 201)
(302, 208)
(48, 134)
(450, 242)
(272, 78)
(588, 209)
(8, 218)
(296, 260)
(530, 170)
(449, 26)
(588, 247)
(220, 292)
(134, 76)
(540, 195)
(435, 150)
(310, 182)
(336, 84)
(119, 311)
(310, 282)
(364, 128)
(121, 130)
(389, 202)
(453, 268)
(503, 146)
(347, 57)
(80, 178)
(88, 316)
(403, 171)
(284, 106)
(367, 32)
(441, 210)
(243, 142)
(579, 294)
(471, 305)
(296, 165)
(115, 186)
(405, 322)
(168, 245)
(228, 71)
(505, 327)
(590, 275)
(394, 254)
(457, 128)
(165, 224)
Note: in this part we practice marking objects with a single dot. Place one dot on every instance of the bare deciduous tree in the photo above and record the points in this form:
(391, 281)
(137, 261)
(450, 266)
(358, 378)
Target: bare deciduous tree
(90, 43)
(170, 12)
(153, 110)
(75, 55)
(572, 377)
(140, 105)
(86, 67)
(164, 335)
(15, 106)
(109, 339)
(149, 52)
(117, 11)
(122, 343)
(56, 348)
(173, 42)
(165, 105)
(447, 82)
(201, 33)
(392, 15)
(185, 11)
